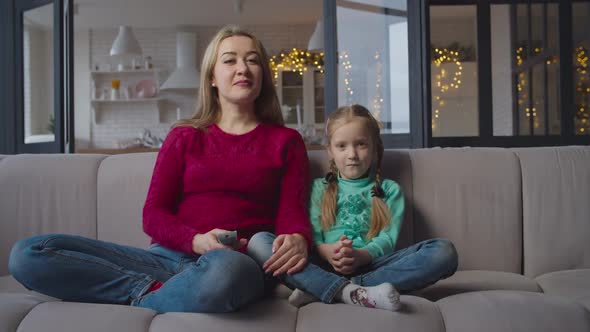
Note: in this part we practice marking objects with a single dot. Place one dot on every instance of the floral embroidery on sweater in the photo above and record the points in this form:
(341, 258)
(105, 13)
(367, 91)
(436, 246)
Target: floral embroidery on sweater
(355, 215)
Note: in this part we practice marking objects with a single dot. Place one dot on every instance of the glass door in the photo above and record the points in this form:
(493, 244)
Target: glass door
(38, 74)
(373, 58)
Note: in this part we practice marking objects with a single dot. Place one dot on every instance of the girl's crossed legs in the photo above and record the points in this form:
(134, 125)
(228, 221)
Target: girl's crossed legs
(408, 269)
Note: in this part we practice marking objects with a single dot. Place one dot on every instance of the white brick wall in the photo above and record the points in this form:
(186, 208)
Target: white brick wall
(123, 121)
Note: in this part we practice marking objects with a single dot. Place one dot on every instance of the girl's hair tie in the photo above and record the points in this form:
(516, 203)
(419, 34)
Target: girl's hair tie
(377, 191)
(330, 177)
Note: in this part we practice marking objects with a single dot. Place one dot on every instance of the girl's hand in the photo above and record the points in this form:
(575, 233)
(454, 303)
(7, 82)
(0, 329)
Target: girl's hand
(289, 255)
(331, 252)
(203, 243)
(328, 250)
(351, 260)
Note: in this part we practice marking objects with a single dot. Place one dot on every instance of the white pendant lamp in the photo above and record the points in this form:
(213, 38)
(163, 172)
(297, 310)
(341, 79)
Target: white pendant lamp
(316, 42)
(125, 44)
(186, 75)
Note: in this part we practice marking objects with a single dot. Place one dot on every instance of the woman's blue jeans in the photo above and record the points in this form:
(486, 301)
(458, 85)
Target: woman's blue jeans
(75, 268)
(408, 269)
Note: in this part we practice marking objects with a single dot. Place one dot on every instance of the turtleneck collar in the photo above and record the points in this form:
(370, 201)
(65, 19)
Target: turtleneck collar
(356, 183)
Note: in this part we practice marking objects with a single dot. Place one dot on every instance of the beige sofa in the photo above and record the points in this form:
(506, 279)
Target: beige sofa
(519, 218)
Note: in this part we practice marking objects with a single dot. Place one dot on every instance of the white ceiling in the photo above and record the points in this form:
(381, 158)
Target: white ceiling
(172, 13)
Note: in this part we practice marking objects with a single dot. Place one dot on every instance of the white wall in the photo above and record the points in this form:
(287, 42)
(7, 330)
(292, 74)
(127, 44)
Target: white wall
(502, 96)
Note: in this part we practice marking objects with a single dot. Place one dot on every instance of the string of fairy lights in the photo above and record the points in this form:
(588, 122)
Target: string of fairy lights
(581, 118)
(378, 99)
(582, 121)
(296, 61)
(300, 61)
(347, 68)
(521, 87)
(445, 79)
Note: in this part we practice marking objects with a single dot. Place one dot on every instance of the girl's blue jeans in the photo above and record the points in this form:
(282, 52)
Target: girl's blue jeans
(408, 269)
(75, 268)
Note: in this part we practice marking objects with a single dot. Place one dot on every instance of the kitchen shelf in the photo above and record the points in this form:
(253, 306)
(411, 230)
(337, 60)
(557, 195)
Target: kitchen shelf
(101, 81)
(124, 72)
(97, 102)
(132, 100)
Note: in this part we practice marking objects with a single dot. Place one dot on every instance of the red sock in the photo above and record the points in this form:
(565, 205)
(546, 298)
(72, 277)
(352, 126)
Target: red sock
(155, 286)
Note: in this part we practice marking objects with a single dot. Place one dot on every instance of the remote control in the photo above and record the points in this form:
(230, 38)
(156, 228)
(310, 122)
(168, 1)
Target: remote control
(228, 238)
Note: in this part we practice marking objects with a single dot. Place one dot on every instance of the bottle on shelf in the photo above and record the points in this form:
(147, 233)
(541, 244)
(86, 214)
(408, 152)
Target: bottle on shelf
(148, 63)
(115, 84)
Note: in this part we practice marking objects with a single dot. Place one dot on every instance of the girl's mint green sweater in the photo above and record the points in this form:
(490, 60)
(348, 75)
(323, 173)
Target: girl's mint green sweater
(353, 214)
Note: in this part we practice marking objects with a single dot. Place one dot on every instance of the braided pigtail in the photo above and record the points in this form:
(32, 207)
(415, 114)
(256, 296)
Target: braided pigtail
(380, 213)
(328, 209)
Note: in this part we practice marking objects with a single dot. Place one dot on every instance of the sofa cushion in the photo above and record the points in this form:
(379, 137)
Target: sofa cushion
(556, 213)
(513, 311)
(473, 198)
(123, 182)
(267, 315)
(13, 308)
(572, 284)
(417, 314)
(87, 317)
(472, 281)
(46, 194)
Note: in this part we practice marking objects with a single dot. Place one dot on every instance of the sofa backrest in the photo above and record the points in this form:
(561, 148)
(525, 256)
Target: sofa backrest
(471, 196)
(42, 194)
(123, 182)
(556, 208)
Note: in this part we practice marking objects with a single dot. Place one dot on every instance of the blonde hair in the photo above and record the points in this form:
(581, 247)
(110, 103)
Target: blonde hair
(266, 105)
(380, 213)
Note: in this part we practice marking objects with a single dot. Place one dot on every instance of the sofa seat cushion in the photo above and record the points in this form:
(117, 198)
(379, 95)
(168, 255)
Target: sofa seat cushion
(417, 314)
(514, 311)
(266, 315)
(9, 285)
(572, 284)
(87, 317)
(14, 307)
(477, 280)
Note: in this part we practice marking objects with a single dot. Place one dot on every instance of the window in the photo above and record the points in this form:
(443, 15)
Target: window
(521, 82)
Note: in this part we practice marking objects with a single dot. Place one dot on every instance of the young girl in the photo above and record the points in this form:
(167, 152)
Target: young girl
(356, 217)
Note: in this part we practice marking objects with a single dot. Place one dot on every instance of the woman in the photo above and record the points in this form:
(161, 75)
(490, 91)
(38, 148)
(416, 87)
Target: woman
(232, 167)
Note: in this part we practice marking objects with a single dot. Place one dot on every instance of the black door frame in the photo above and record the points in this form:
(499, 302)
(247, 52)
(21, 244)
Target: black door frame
(7, 87)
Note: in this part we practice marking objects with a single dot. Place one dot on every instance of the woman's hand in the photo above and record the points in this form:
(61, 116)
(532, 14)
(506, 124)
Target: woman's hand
(289, 255)
(208, 241)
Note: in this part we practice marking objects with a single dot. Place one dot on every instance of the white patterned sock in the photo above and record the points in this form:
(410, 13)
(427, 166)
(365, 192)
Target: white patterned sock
(383, 296)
